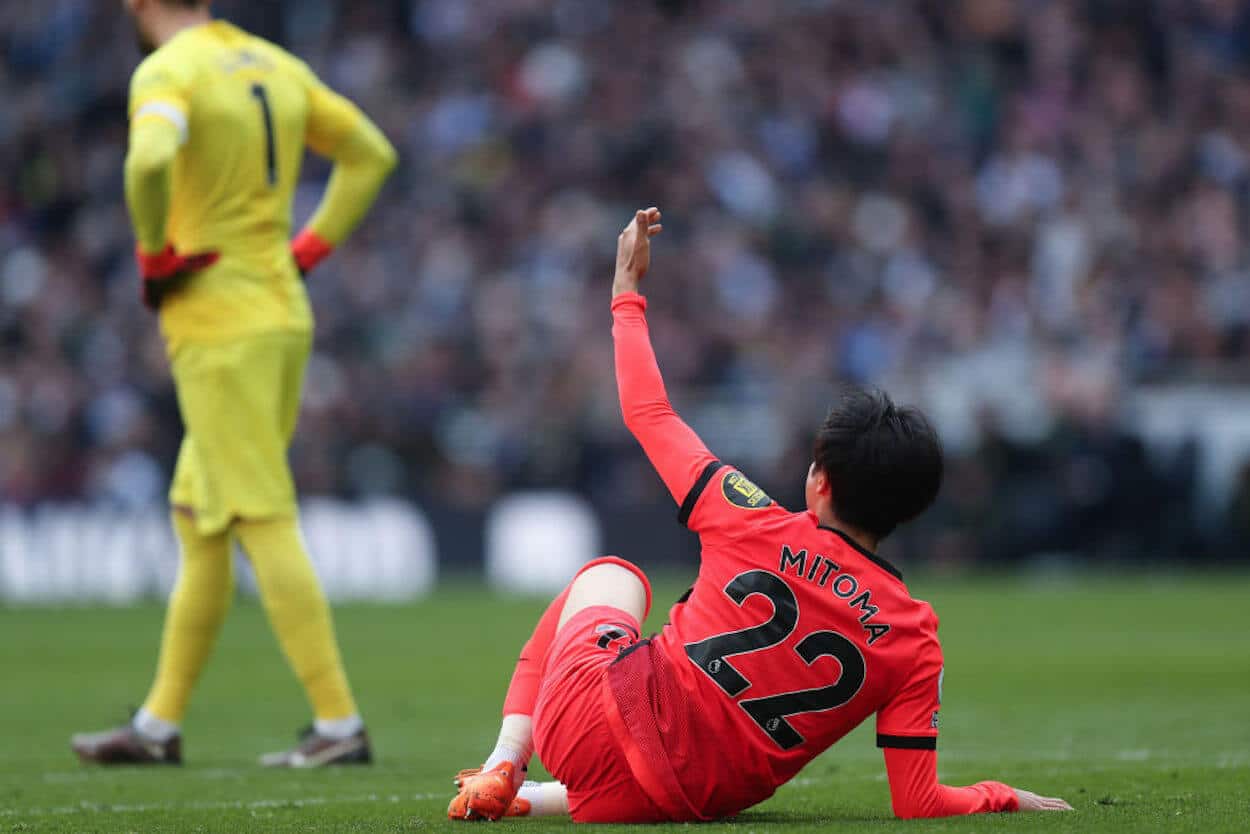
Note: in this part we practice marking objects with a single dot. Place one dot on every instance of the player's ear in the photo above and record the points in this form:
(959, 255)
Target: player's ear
(823, 486)
(817, 479)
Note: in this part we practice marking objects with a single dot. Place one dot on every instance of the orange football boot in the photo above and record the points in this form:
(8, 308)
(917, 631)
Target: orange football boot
(488, 795)
(519, 808)
(465, 774)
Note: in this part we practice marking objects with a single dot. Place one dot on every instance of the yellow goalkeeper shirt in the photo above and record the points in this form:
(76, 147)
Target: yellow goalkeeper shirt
(219, 122)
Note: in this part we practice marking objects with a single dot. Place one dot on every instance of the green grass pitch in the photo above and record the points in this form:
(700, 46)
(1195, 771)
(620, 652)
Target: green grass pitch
(1131, 699)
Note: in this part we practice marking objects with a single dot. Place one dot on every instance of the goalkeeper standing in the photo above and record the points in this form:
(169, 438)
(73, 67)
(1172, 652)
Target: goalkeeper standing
(219, 120)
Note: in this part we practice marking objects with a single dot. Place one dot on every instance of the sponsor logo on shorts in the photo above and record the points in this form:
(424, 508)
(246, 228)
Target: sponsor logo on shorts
(609, 633)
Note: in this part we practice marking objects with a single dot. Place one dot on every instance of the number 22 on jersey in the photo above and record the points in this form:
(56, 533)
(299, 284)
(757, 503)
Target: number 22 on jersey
(770, 712)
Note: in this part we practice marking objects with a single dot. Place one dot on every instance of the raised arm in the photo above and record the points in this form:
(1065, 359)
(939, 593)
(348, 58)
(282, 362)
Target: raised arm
(363, 159)
(673, 448)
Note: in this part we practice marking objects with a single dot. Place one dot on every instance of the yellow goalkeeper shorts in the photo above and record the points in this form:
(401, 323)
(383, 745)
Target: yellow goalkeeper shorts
(239, 402)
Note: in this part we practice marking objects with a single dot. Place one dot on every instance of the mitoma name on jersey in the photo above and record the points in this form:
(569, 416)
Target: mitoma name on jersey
(843, 586)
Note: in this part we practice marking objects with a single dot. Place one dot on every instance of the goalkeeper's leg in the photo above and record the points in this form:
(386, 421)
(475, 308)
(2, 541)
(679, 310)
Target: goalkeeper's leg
(300, 617)
(197, 609)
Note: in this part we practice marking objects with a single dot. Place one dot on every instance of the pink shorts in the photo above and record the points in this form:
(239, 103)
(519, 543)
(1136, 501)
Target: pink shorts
(571, 732)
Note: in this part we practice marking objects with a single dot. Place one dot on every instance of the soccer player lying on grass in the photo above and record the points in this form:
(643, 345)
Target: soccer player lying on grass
(794, 633)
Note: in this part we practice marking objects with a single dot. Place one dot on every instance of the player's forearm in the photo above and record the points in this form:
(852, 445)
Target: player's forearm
(945, 801)
(676, 452)
(916, 793)
(362, 162)
(149, 179)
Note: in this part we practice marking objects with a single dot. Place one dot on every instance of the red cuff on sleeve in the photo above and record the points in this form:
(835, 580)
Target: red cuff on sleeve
(309, 249)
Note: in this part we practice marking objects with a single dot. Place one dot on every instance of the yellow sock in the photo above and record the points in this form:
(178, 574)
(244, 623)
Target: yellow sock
(298, 612)
(196, 610)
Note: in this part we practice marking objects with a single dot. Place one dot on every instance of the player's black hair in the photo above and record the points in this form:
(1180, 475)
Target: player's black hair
(884, 463)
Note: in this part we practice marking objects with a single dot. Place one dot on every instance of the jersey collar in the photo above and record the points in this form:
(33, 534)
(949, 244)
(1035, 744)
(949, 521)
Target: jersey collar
(865, 552)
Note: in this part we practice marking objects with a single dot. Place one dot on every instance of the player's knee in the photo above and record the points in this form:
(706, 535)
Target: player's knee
(612, 583)
(626, 565)
(610, 576)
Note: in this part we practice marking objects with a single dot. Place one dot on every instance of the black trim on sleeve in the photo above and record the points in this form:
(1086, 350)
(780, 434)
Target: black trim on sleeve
(692, 497)
(907, 742)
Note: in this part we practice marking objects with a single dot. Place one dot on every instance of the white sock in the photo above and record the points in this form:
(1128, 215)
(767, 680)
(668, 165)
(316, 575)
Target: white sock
(153, 728)
(515, 744)
(339, 728)
(547, 799)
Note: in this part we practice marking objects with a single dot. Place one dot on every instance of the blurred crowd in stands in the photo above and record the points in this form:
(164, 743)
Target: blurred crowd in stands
(1015, 211)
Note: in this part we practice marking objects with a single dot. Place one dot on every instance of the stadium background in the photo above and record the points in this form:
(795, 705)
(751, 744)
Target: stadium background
(1029, 217)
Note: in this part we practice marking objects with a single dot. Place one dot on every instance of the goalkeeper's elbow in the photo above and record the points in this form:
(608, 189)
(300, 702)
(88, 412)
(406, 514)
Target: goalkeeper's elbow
(148, 163)
(380, 153)
(388, 158)
(153, 147)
